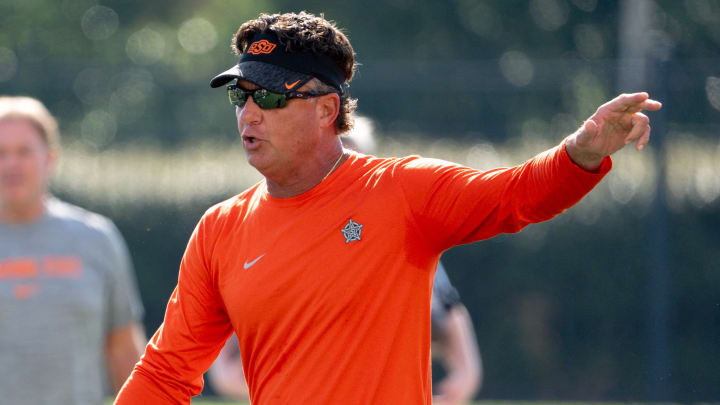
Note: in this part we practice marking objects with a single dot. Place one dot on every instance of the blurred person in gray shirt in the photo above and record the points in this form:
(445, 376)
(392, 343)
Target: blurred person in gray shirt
(69, 306)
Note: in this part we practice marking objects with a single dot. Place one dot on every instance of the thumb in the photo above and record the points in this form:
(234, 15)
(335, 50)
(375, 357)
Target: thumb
(588, 131)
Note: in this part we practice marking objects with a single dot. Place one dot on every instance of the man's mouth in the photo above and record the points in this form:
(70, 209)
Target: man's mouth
(250, 142)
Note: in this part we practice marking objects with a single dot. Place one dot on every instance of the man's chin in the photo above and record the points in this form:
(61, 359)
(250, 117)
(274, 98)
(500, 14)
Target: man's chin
(258, 161)
(15, 201)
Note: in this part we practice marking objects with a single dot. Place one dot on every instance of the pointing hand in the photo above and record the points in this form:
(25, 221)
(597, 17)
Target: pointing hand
(614, 125)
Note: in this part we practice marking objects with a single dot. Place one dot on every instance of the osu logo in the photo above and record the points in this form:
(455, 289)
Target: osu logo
(262, 46)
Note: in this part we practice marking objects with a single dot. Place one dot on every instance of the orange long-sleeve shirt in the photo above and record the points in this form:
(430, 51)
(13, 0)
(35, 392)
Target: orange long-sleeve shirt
(329, 291)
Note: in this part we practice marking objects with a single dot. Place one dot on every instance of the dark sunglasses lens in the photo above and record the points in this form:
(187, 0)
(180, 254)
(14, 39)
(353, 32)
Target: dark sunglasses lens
(264, 99)
(237, 96)
(268, 100)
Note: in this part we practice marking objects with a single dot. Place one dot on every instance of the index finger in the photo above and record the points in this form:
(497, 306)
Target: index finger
(633, 103)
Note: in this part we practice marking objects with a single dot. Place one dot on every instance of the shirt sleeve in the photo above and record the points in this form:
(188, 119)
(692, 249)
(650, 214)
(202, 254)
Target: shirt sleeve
(194, 330)
(124, 304)
(452, 204)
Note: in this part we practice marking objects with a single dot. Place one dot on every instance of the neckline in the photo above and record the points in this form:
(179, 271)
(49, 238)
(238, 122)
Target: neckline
(330, 183)
(47, 206)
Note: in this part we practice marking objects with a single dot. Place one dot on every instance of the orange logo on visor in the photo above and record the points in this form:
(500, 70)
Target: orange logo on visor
(291, 85)
(262, 46)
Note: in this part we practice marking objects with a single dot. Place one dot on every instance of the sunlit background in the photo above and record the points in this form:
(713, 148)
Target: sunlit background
(617, 300)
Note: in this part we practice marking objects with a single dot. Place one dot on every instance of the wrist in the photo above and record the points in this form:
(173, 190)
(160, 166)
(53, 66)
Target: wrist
(587, 161)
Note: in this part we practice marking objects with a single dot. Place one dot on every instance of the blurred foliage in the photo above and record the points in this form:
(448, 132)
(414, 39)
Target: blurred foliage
(128, 70)
(562, 308)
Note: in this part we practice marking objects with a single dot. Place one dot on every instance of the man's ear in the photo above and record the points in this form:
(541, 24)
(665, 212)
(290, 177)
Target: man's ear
(53, 159)
(328, 108)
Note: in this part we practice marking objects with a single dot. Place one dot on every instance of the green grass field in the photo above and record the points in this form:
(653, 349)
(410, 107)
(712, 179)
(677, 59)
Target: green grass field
(214, 401)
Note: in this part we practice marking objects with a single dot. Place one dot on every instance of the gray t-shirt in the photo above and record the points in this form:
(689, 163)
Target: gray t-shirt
(66, 281)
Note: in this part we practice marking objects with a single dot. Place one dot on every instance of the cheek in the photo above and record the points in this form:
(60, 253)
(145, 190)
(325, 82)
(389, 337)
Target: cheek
(305, 134)
(298, 141)
(23, 177)
(36, 167)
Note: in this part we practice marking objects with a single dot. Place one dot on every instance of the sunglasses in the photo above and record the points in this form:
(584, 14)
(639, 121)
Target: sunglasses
(266, 99)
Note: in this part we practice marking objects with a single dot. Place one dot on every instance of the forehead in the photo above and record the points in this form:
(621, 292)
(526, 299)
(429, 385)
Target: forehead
(246, 84)
(20, 130)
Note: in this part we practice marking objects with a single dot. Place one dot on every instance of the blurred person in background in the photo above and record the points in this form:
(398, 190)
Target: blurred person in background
(454, 344)
(324, 269)
(69, 308)
(453, 336)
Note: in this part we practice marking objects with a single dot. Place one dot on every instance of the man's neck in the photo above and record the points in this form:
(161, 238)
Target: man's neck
(311, 176)
(22, 213)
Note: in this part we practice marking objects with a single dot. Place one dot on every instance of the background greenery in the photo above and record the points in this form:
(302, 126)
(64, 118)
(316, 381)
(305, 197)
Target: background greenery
(619, 299)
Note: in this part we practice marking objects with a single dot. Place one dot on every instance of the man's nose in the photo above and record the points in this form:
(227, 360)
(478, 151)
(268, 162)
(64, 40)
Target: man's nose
(250, 113)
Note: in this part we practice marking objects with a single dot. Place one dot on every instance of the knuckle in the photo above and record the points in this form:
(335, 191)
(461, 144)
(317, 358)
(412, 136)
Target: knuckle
(640, 118)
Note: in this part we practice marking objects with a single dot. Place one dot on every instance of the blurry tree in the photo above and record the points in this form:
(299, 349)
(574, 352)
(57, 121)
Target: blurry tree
(130, 70)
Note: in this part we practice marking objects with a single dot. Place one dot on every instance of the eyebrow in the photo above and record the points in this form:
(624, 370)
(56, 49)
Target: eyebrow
(249, 84)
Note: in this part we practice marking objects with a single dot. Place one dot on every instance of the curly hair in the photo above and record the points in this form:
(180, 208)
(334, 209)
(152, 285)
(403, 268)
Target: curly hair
(305, 32)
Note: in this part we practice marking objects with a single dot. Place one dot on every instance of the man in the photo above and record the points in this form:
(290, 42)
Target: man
(68, 301)
(324, 269)
(453, 337)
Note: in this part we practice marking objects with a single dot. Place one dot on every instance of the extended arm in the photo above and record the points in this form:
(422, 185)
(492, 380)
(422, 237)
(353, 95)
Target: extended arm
(453, 205)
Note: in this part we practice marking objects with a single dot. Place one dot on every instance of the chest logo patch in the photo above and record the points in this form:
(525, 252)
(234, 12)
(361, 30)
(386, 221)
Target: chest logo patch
(352, 231)
(247, 265)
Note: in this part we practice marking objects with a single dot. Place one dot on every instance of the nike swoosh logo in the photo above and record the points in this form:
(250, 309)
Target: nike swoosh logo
(247, 265)
(290, 86)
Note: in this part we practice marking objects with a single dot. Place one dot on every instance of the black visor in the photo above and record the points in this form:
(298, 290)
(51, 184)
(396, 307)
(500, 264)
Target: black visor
(267, 64)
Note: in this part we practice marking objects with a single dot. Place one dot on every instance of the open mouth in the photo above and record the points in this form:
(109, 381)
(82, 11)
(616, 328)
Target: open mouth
(250, 136)
(251, 142)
